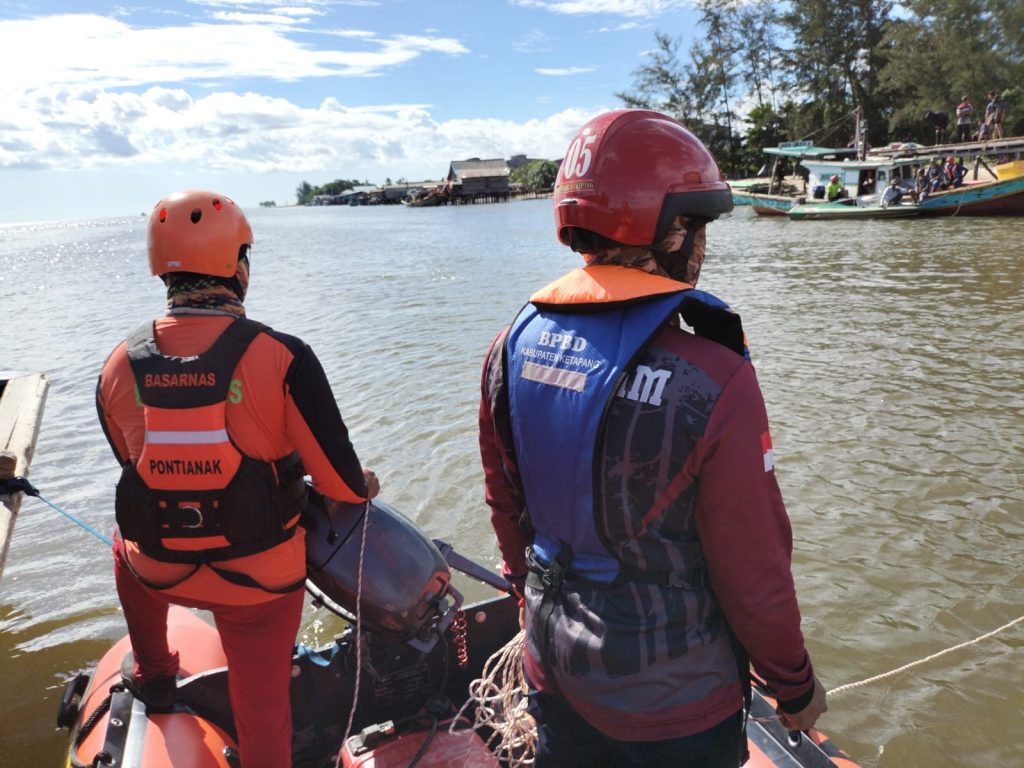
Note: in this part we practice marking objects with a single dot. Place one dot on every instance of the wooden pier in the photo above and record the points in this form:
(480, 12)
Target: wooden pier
(498, 197)
(21, 412)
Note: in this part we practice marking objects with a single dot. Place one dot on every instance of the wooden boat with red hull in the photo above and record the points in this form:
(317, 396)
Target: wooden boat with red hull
(409, 693)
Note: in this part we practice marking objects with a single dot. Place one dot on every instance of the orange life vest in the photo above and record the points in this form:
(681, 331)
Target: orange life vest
(192, 496)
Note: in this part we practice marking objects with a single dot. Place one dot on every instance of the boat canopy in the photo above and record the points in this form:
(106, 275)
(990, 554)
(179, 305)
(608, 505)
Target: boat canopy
(800, 149)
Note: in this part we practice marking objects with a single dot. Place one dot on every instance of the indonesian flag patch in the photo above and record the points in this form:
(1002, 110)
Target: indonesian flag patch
(766, 449)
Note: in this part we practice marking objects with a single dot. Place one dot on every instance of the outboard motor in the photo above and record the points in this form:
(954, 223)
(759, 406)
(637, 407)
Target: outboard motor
(406, 583)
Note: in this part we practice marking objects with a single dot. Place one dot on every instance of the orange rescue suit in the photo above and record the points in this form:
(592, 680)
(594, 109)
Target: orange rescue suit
(278, 406)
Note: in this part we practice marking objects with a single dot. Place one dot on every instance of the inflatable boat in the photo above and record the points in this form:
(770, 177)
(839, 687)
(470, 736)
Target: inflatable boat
(421, 649)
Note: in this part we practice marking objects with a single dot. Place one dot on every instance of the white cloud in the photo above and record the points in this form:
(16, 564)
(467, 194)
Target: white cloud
(103, 98)
(281, 4)
(534, 41)
(624, 26)
(562, 71)
(225, 131)
(94, 51)
(245, 17)
(630, 8)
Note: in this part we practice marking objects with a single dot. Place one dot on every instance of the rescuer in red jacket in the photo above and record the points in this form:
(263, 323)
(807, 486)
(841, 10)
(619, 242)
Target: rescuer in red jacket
(628, 467)
(215, 419)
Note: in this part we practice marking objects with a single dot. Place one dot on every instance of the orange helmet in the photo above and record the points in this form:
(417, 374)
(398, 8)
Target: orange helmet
(629, 173)
(197, 231)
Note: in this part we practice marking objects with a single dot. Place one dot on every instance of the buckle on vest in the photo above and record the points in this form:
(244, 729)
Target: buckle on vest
(550, 575)
(198, 514)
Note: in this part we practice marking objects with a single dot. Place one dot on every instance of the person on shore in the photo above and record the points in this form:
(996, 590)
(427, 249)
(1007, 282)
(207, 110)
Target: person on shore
(994, 113)
(940, 122)
(964, 119)
(834, 190)
(646, 532)
(984, 131)
(214, 419)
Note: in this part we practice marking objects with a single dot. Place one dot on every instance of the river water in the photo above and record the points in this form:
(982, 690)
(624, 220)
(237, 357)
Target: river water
(891, 355)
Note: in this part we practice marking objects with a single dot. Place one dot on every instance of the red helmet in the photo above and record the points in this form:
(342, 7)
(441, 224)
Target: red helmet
(197, 231)
(627, 174)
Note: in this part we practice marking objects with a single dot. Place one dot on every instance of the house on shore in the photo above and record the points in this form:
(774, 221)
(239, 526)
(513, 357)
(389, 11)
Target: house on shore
(392, 194)
(477, 180)
(358, 195)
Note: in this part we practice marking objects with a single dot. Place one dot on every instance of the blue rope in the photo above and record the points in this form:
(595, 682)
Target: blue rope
(81, 523)
(21, 484)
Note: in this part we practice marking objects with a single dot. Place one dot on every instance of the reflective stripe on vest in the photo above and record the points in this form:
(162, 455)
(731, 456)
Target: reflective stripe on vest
(184, 438)
(200, 459)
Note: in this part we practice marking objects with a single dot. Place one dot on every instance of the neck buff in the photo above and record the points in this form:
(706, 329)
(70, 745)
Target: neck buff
(654, 259)
(191, 293)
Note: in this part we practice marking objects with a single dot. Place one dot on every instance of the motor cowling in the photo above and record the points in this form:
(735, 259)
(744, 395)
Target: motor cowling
(405, 580)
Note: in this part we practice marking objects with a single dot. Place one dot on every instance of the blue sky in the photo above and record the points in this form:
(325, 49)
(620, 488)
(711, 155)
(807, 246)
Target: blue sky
(106, 107)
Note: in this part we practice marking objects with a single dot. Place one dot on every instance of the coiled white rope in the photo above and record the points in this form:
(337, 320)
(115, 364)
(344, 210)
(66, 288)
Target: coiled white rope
(500, 701)
(926, 659)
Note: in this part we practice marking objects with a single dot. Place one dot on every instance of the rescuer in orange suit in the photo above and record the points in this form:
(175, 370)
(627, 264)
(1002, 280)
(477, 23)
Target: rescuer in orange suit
(215, 420)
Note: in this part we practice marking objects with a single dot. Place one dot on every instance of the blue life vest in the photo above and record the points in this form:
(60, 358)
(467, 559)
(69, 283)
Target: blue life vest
(565, 364)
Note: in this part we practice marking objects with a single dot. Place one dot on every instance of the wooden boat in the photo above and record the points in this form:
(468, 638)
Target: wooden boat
(1002, 197)
(1009, 170)
(775, 193)
(412, 703)
(982, 193)
(429, 199)
(850, 210)
(22, 396)
(986, 191)
(774, 205)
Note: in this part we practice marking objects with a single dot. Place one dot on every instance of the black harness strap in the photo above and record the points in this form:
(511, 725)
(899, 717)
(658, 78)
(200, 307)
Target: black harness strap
(692, 578)
(548, 579)
(244, 580)
(220, 361)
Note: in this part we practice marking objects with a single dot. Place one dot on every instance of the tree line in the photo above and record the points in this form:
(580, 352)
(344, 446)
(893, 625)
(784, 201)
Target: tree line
(535, 175)
(305, 192)
(759, 72)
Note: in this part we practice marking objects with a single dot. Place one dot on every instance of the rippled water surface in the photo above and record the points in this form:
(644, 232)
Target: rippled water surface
(891, 355)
